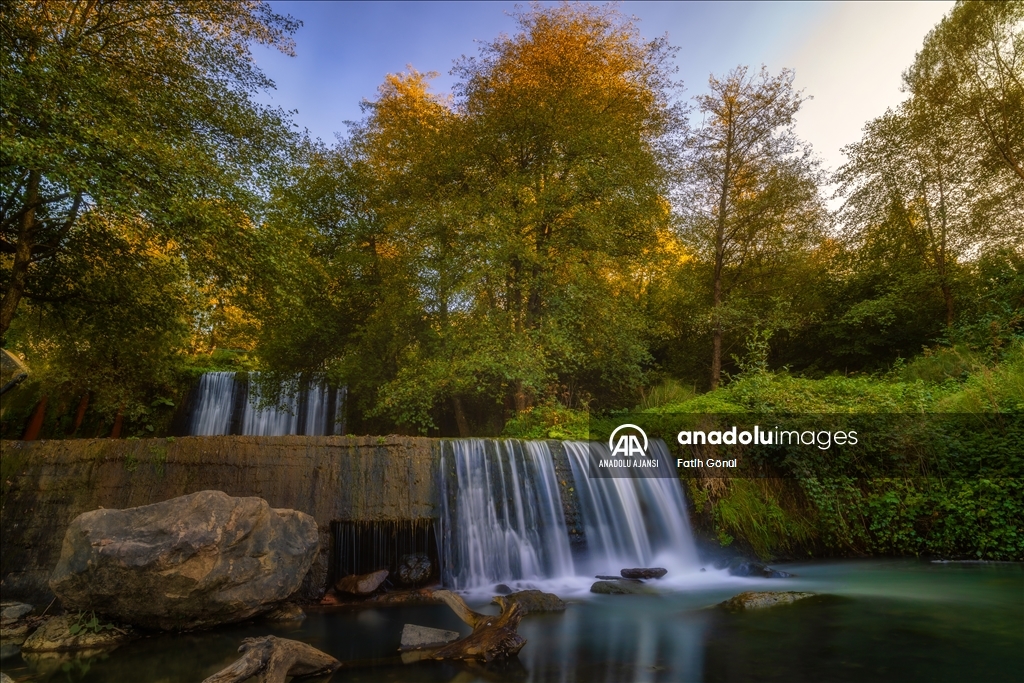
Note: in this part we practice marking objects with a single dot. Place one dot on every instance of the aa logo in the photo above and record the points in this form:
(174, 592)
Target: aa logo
(629, 442)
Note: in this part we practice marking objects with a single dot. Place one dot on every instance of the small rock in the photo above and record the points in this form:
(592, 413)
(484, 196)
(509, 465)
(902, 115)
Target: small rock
(12, 611)
(361, 584)
(55, 636)
(534, 601)
(14, 633)
(286, 612)
(620, 587)
(4, 678)
(502, 589)
(8, 650)
(414, 636)
(414, 570)
(762, 600)
(644, 573)
(739, 566)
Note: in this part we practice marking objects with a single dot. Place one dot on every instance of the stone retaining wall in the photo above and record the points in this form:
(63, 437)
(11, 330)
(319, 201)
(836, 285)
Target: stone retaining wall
(46, 484)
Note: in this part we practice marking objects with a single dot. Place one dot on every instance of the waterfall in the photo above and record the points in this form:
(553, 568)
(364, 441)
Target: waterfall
(631, 521)
(503, 515)
(229, 403)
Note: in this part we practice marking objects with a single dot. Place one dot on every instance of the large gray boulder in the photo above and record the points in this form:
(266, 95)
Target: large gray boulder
(195, 561)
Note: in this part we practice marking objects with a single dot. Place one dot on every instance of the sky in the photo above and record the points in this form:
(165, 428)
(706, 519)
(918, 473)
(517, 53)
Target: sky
(847, 56)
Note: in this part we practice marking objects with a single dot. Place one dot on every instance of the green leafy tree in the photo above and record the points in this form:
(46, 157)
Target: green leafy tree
(749, 198)
(140, 111)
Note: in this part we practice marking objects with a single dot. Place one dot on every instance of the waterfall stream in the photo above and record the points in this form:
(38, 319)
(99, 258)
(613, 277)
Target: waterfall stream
(229, 403)
(503, 517)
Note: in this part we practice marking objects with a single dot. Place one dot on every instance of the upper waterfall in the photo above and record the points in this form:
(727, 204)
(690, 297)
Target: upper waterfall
(229, 403)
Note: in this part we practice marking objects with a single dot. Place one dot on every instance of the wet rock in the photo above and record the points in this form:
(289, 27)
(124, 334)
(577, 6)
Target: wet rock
(621, 587)
(415, 570)
(8, 650)
(194, 561)
(762, 600)
(414, 636)
(533, 601)
(4, 678)
(644, 573)
(12, 611)
(55, 635)
(604, 577)
(739, 566)
(502, 589)
(361, 584)
(286, 612)
(14, 632)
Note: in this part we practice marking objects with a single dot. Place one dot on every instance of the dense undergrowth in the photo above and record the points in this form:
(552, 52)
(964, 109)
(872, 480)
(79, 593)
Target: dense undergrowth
(937, 472)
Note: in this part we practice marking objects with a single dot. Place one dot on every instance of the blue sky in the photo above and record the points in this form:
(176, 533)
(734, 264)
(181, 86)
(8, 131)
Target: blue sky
(848, 56)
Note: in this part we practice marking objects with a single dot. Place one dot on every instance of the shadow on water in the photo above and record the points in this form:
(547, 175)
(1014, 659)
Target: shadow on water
(881, 621)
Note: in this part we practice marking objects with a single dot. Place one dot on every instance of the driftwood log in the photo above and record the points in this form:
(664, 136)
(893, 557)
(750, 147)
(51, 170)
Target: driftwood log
(273, 660)
(493, 636)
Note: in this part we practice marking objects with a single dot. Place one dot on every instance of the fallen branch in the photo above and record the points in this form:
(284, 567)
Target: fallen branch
(493, 637)
(272, 660)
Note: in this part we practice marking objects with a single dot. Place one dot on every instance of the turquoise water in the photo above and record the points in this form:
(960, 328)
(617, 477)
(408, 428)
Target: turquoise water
(877, 621)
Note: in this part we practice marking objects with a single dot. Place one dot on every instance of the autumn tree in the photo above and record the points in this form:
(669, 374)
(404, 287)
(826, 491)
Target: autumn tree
(748, 194)
(140, 112)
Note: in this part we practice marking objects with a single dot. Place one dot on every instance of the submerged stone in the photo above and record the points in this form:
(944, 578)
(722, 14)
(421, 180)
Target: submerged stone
(414, 636)
(762, 600)
(194, 561)
(286, 612)
(740, 566)
(621, 587)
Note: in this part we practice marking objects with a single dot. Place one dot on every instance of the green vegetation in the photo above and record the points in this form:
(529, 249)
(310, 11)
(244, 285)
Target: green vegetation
(560, 241)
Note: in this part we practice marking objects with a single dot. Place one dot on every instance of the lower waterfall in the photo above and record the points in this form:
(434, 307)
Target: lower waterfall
(503, 517)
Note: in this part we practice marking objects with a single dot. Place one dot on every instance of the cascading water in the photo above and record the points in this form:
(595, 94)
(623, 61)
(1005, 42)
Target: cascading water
(228, 404)
(631, 521)
(503, 518)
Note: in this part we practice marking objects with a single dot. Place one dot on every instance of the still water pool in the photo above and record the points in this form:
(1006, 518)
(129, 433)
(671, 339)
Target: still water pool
(876, 621)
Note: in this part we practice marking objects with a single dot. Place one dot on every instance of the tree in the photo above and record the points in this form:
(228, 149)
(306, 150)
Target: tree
(140, 111)
(971, 70)
(748, 195)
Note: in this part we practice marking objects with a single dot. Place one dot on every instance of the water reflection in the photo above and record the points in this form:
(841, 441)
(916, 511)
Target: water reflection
(878, 621)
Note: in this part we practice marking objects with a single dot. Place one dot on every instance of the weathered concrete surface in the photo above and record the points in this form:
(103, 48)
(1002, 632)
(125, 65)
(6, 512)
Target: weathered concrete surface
(46, 484)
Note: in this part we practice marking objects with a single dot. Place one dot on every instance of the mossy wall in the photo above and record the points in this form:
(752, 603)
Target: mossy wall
(46, 484)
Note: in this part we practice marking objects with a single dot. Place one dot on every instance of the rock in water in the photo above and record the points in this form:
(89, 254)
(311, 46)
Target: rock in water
(361, 584)
(739, 566)
(194, 561)
(12, 611)
(620, 588)
(534, 601)
(414, 570)
(762, 600)
(644, 573)
(55, 636)
(414, 636)
(286, 612)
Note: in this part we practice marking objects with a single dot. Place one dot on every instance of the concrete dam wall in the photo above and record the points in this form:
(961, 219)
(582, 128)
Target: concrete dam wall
(46, 484)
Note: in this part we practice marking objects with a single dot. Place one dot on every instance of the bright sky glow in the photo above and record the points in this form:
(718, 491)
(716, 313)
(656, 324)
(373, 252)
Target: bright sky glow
(848, 56)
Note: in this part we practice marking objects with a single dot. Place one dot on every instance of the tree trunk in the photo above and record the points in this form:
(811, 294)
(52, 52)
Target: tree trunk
(272, 660)
(35, 425)
(947, 298)
(83, 405)
(22, 255)
(460, 417)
